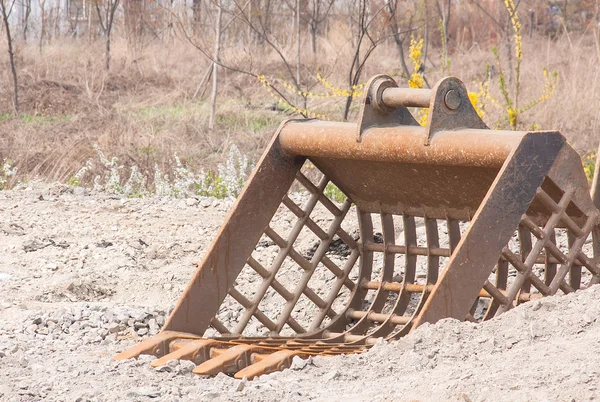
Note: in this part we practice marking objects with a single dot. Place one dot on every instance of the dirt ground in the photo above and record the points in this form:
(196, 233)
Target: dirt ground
(84, 275)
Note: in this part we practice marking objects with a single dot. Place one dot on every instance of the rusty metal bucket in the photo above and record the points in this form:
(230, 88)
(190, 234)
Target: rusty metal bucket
(469, 223)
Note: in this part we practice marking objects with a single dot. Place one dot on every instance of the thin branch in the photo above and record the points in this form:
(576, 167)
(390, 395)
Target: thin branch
(269, 42)
(220, 63)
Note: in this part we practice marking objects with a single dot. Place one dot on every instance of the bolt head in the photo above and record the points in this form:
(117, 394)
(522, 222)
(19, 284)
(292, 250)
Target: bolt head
(452, 99)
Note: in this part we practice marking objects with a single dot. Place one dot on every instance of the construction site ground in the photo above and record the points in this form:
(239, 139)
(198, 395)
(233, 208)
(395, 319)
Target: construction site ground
(84, 275)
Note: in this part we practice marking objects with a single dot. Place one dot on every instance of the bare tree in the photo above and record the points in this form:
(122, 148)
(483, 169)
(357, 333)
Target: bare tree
(259, 15)
(106, 10)
(298, 43)
(263, 33)
(42, 4)
(196, 15)
(365, 43)
(73, 13)
(392, 11)
(246, 66)
(504, 29)
(26, 12)
(317, 14)
(55, 11)
(6, 8)
(216, 58)
(443, 8)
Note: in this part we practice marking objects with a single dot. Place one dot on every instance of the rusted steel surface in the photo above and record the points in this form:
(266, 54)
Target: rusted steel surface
(469, 188)
(491, 228)
(468, 147)
(235, 240)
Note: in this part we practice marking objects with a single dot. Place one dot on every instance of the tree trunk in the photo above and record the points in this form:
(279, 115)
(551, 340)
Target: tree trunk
(107, 52)
(42, 25)
(196, 16)
(111, 9)
(313, 38)
(57, 21)
(215, 81)
(298, 44)
(347, 107)
(393, 12)
(509, 52)
(27, 4)
(11, 57)
(89, 27)
(399, 44)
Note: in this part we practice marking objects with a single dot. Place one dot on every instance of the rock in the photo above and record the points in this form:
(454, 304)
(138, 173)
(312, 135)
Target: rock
(163, 369)
(173, 364)
(153, 326)
(42, 331)
(51, 266)
(167, 286)
(298, 363)
(186, 366)
(142, 331)
(34, 245)
(23, 362)
(151, 392)
(241, 385)
(190, 202)
(12, 229)
(536, 330)
(152, 252)
(431, 353)
(140, 324)
(114, 327)
(332, 375)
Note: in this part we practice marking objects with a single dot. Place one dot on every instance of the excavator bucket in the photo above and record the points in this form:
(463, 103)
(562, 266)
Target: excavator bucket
(347, 233)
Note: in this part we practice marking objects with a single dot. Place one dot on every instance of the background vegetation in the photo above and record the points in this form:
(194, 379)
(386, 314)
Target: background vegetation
(154, 86)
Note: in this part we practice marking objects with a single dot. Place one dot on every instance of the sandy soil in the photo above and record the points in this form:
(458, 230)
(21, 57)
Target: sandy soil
(84, 276)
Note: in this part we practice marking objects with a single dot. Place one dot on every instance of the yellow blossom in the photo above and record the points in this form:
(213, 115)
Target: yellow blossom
(416, 81)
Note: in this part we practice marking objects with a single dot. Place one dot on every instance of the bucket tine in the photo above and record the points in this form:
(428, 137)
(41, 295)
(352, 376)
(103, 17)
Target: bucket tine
(274, 362)
(157, 345)
(346, 234)
(230, 361)
(197, 351)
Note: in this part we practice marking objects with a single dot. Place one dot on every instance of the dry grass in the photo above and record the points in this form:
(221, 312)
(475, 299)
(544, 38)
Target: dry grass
(143, 111)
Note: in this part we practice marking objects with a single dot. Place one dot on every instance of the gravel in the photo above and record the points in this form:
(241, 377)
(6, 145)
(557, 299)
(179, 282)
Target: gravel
(84, 275)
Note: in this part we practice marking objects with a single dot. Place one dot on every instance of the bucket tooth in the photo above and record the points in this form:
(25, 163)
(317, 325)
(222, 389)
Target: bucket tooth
(157, 345)
(229, 361)
(197, 351)
(277, 361)
(447, 198)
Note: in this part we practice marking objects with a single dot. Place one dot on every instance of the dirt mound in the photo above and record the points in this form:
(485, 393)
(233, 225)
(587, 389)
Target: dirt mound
(79, 290)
